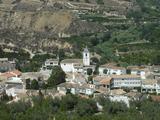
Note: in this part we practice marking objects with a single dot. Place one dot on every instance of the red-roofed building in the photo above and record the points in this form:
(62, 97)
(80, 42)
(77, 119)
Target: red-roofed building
(10, 74)
(102, 81)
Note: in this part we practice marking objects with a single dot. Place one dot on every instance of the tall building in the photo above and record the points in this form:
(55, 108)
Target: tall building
(86, 57)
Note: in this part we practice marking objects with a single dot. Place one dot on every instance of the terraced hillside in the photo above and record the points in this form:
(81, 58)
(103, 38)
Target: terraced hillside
(103, 25)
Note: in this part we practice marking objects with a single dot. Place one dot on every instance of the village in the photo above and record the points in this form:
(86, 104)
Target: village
(110, 80)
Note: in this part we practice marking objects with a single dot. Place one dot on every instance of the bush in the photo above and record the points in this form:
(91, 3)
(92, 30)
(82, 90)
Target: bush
(34, 85)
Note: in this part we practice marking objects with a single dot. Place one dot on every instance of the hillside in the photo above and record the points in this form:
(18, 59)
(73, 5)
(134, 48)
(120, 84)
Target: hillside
(103, 25)
(60, 18)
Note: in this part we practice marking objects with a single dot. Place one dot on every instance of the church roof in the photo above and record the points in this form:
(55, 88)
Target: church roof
(72, 61)
(86, 50)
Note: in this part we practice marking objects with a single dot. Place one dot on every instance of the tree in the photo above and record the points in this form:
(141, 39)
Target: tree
(69, 102)
(87, 1)
(61, 54)
(34, 85)
(94, 60)
(156, 60)
(43, 86)
(5, 97)
(86, 107)
(89, 71)
(105, 71)
(100, 2)
(128, 71)
(56, 104)
(20, 106)
(57, 76)
(28, 82)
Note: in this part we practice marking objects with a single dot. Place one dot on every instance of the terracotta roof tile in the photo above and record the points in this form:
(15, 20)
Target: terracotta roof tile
(17, 72)
(13, 73)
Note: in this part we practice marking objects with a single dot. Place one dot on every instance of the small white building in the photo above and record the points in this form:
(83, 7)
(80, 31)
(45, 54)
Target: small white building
(78, 68)
(139, 70)
(67, 65)
(75, 88)
(125, 81)
(14, 86)
(150, 86)
(111, 69)
(49, 64)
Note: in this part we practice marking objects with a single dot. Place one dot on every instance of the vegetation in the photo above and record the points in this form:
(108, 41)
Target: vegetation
(89, 71)
(105, 71)
(131, 41)
(34, 85)
(72, 107)
(34, 64)
(57, 76)
(99, 1)
(20, 56)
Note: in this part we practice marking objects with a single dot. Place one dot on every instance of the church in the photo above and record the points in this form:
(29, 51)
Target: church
(77, 65)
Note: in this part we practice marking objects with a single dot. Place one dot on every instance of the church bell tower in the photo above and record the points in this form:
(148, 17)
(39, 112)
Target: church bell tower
(86, 57)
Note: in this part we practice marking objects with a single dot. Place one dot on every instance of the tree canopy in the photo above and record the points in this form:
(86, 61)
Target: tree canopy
(57, 76)
(72, 107)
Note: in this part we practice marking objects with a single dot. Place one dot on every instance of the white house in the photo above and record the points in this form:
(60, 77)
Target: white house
(51, 62)
(14, 86)
(123, 81)
(150, 86)
(78, 68)
(110, 69)
(139, 70)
